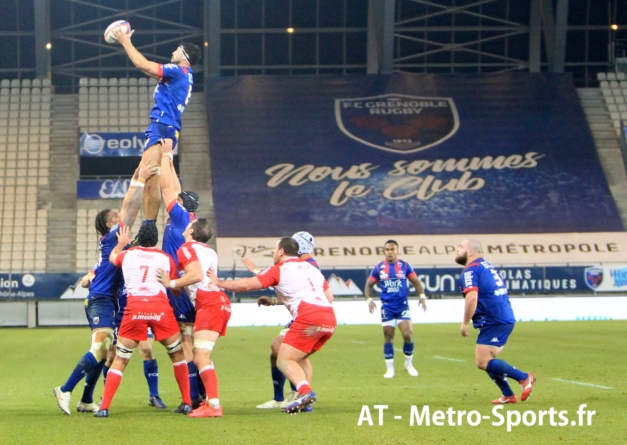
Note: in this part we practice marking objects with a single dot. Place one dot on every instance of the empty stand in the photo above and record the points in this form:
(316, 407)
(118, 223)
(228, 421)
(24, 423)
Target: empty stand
(24, 171)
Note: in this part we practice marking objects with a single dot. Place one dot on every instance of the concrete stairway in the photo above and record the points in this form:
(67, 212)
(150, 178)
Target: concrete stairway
(61, 253)
(195, 163)
(607, 144)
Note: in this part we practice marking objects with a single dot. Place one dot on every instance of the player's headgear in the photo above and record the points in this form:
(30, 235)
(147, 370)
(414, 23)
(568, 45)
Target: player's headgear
(191, 53)
(202, 231)
(190, 201)
(102, 218)
(147, 235)
(305, 242)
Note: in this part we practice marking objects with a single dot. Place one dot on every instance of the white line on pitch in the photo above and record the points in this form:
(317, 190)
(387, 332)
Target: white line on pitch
(582, 383)
(358, 342)
(449, 359)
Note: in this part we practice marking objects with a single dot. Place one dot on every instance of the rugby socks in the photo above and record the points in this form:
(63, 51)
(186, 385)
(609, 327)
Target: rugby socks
(388, 351)
(181, 374)
(105, 371)
(501, 382)
(83, 367)
(408, 350)
(151, 372)
(303, 387)
(91, 380)
(210, 379)
(114, 378)
(500, 367)
(278, 381)
(193, 380)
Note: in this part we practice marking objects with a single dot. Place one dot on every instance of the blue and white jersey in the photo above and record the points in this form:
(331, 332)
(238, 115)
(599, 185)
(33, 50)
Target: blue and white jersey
(107, 275)
(173, 232)
(493, 306)
(172, 94)
(392, 279)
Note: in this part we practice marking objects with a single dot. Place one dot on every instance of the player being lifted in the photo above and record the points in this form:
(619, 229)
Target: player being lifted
(487, 304)
(213, 308)
(147, 307)
(171, 97)
(101, 304)
(392, 275)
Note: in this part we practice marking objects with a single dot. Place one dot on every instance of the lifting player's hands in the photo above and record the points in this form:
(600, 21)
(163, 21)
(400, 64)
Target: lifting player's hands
(123, 236)
(250, 264)
(464, 329)
(122, 37)
(148, 171)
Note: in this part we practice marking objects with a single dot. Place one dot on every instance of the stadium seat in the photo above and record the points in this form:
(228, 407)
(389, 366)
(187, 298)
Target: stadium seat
(36, 83)
(15, 83)
(5, 83)
(611, 76)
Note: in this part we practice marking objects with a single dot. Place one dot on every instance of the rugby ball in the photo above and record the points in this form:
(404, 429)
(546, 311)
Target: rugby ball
(108, 34)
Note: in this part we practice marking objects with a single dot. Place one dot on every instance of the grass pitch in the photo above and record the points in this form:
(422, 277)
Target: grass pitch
(567, 357)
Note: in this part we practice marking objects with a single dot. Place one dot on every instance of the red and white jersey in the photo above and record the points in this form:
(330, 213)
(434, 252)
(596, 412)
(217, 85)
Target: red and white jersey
(139, 266)
(296, 281)
(208, 259)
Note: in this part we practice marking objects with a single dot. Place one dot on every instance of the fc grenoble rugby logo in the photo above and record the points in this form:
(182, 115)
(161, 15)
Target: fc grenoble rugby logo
(396, 122)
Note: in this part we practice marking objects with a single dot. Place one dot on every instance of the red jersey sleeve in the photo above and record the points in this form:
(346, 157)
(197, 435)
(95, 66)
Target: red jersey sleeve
(120, 258)
(325, 286)
(160, 71)
(186, 254)
(270, 276)
(169, 207)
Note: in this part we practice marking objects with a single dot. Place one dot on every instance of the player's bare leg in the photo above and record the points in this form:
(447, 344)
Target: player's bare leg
(175, 351)
(204, 342)
(388, 350)
(152, 191)
(124, 352)
(289, 363)
(405, 327)
(187, 342)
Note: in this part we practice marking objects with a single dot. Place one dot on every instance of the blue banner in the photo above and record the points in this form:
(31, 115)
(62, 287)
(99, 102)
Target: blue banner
(102, 189)
(532, 280)
(405, 154)
(37, 285)
(112, 144)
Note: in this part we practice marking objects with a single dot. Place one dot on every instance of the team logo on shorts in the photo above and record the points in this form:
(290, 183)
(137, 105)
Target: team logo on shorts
(96, 320)
(593, 276)
(396, 122)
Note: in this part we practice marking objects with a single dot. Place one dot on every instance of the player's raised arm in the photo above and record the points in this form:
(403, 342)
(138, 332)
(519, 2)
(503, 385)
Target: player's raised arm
(123, 239)
(133, 199)
(146, 66)
(170, 185)
(419, 290)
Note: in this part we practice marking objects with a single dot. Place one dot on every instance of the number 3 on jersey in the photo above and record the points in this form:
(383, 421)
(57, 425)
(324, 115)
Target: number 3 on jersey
(497, 278)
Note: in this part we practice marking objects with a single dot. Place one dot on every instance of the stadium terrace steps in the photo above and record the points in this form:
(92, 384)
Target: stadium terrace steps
(60, 255)
(607, 145)
(195, 163)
